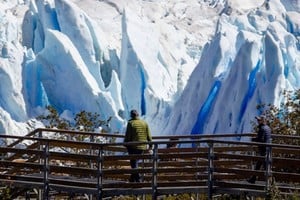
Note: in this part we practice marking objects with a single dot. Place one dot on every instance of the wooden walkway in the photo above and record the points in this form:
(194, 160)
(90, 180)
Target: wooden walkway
(48, 164)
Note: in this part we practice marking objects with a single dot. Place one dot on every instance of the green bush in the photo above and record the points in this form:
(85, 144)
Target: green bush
(284, 120)
(84, 121)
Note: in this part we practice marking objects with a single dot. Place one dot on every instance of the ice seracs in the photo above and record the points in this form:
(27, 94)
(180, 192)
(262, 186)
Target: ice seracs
(189, 67)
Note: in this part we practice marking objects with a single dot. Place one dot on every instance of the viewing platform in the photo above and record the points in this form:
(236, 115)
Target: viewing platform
(60, 164)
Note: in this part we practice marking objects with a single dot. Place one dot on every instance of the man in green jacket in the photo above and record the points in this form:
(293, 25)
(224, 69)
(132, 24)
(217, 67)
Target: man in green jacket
(137, 131)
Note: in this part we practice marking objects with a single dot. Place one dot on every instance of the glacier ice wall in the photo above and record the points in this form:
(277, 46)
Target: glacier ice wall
(192, 67)
(250, 61)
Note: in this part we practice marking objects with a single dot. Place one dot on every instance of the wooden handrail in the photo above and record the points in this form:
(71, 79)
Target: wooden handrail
(204, 164)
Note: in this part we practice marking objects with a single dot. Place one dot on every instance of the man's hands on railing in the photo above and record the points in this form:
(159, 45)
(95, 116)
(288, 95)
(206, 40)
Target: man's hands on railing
(149, 151)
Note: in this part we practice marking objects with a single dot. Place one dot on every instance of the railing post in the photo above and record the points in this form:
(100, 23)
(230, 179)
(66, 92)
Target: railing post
(210, 170)
(41, 148)
(92, 153)
(154, 172)
(40, 134)
(197, 165)
(268, 173)
(100, 173)
(92, 139)
(46, 172)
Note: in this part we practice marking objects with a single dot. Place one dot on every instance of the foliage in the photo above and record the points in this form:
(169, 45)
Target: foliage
(5, 193)
(52, 119)
(179, 197)
(231, 197)
(274, 192)
(84, 121)
(88, 121)
(184, 196)
(284, 120)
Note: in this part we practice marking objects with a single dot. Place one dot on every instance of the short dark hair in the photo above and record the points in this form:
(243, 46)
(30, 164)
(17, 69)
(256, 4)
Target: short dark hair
(134, 113)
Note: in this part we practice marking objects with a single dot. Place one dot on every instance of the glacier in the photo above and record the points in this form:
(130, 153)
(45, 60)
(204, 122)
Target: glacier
(188, 67)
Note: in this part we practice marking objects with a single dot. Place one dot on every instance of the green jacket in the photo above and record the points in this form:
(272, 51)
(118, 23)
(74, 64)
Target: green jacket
(137, 131)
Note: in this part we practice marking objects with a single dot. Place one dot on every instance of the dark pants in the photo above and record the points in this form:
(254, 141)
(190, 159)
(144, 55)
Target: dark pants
(259, 164)
(135, 177)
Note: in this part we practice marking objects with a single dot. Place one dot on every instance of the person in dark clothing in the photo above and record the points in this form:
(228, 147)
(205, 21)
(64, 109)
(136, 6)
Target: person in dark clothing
(137, 131)
(263, 136)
